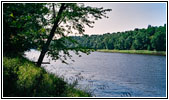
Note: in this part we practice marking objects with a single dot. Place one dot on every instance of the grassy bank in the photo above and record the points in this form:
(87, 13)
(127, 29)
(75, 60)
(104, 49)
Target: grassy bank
(22, 78)
(162, 53)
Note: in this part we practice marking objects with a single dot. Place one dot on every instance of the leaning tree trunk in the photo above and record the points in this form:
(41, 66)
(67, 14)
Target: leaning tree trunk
(46, 45)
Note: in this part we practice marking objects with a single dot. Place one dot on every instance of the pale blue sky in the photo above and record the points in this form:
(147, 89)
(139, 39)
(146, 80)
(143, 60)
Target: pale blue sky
(128, 16)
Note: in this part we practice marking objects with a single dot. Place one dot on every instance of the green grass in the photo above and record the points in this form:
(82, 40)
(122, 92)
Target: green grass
(22, 78)
(162, 53)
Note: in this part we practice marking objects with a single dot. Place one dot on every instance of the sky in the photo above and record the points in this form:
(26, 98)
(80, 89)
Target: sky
(128, 16)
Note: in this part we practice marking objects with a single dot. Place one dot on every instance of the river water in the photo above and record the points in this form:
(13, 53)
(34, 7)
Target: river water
(112, 74)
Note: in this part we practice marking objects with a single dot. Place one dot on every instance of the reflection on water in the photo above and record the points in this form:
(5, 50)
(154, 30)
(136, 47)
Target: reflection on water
(113, 74)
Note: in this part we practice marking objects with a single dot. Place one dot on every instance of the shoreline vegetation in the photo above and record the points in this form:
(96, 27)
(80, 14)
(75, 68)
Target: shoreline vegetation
(145, 52)
(152, 38)
(22, 78)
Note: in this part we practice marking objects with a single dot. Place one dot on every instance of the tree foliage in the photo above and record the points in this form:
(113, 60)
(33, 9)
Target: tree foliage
(23, 26)
(152, 38)
(28, 25)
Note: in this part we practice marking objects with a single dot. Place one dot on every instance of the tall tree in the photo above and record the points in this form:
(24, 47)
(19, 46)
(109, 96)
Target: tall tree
(28, 25)
(72, 18)
(56, 22)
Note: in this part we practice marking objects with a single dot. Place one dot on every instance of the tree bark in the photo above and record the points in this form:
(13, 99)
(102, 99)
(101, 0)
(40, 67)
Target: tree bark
(46, 45)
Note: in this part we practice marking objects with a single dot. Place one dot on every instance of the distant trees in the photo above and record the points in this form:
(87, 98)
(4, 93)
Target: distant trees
(158, 40)
(152, 38)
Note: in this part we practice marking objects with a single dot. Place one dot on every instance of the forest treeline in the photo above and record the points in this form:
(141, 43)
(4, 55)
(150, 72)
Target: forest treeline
(151, 38)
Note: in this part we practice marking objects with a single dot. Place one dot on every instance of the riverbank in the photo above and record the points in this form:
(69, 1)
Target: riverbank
(161, 53)
(22, 78)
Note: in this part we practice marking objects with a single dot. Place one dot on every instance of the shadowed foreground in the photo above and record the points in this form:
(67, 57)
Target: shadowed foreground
(22, 78)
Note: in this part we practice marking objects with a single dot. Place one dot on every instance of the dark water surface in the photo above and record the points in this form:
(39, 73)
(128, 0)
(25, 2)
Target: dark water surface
(113, 74)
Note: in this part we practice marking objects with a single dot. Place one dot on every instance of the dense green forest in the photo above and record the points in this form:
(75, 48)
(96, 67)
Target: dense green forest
(151, 38)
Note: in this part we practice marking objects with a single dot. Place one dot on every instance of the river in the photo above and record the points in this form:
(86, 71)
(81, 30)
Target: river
(112, 74)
